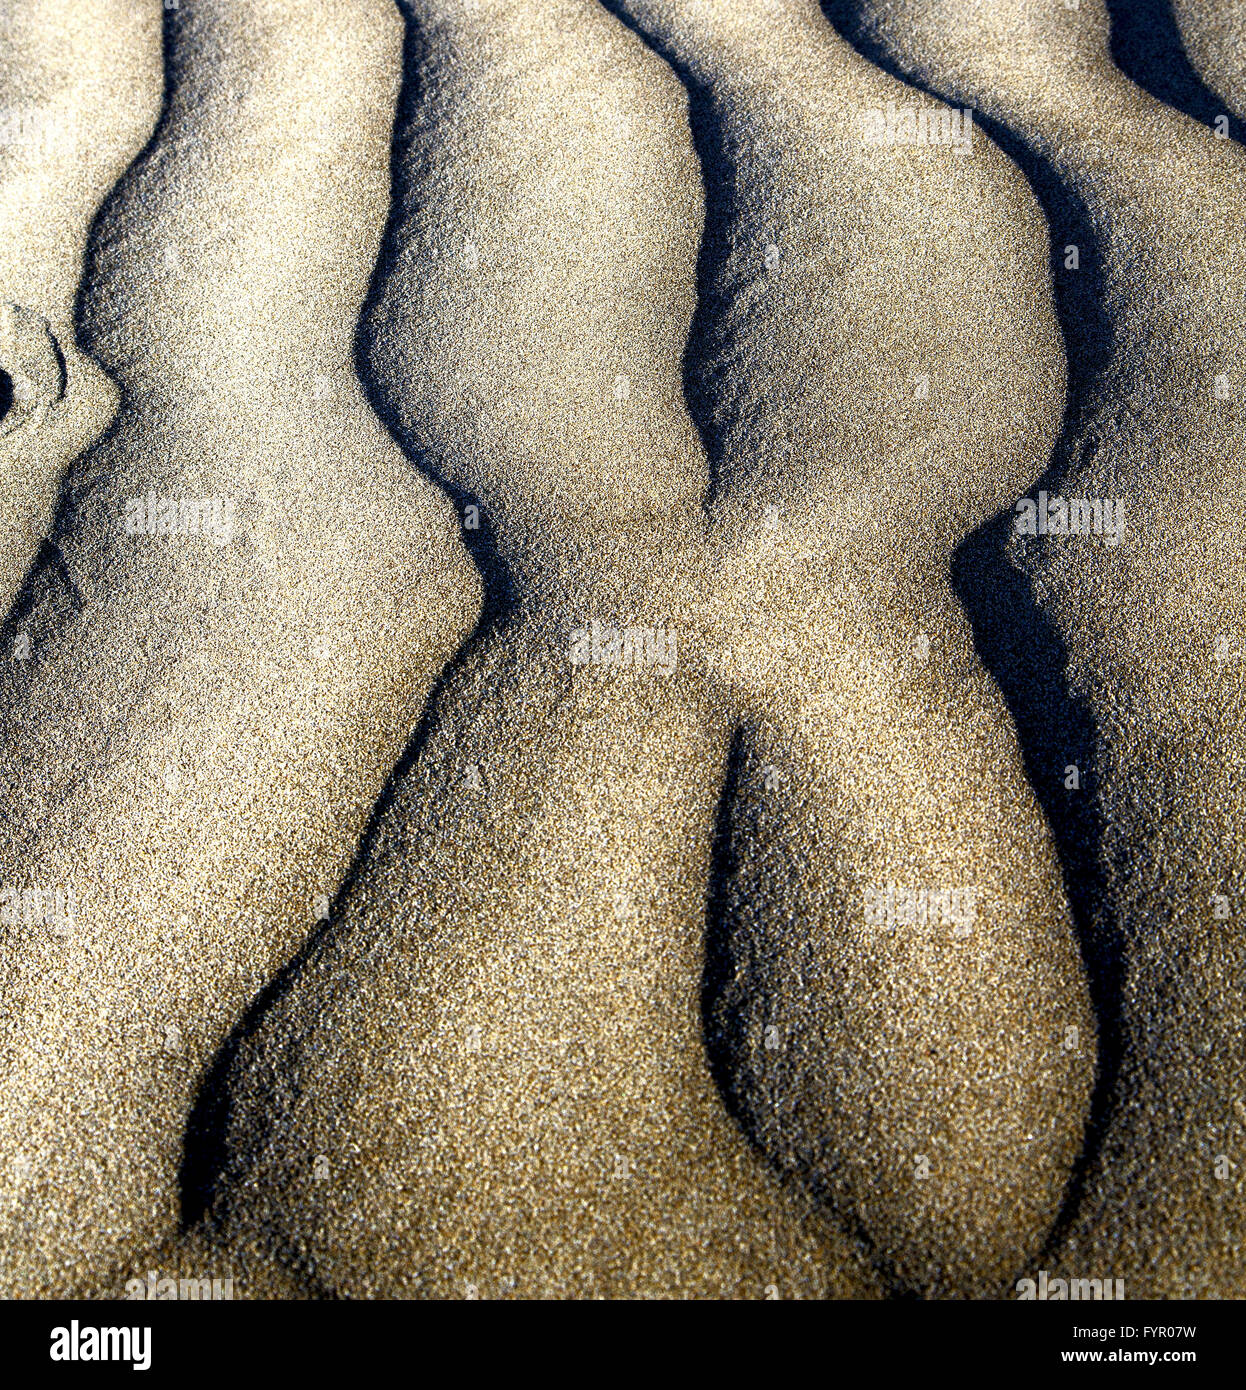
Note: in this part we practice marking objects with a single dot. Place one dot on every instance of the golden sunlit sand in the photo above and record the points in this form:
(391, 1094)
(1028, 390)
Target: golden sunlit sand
(541, 757)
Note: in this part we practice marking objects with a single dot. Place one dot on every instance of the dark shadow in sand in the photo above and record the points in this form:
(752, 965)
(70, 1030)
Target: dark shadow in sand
(206, 1154)
(725, 1026)
(49, 597)
(1013, 637)
(1147, 47)
(725, 1040)
(718, 178)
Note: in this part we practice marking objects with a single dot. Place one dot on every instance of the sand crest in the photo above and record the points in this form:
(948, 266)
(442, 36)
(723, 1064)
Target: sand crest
(509, 1094)
(569, 827)
(1214, 36)
(876, 366)
(1150, 630)
(248, 596)
(623, 671)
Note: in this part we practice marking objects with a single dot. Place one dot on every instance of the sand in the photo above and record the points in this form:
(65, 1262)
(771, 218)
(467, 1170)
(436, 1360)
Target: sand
(1150, 631)
(873, 386)
(167, 748)
(535, 603)
(488, 1078)
(586, 855)
(1214, 38)
(80, 91)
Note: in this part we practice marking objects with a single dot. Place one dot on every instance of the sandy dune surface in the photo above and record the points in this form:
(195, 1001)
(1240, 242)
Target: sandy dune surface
(866, 375)
(206, 716)
(1151, 629)
(542, 755)
(1214, 37)
(519, 954)
(998, 1114)
(80, 90)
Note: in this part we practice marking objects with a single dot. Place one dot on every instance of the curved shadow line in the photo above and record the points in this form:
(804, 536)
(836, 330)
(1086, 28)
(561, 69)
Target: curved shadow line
(206, 1150)
(724, 1026)
(1147, 46)
(718, 180)
(48, 592)
(48, 573)
(1013, 637)
(95, 237)
(701, 390)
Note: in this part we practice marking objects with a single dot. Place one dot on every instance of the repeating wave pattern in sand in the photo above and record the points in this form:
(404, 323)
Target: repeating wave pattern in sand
(561, 743)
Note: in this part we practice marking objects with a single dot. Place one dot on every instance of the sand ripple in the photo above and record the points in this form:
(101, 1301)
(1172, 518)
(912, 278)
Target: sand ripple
(416, 938)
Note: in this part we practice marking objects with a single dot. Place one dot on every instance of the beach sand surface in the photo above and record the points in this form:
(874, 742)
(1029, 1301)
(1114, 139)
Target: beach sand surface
(1150, 630)
(207, 716)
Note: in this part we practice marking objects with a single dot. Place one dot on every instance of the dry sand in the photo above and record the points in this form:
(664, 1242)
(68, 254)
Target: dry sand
(1214, 36)
(417, 945)
(559, 908)
(489, 1075)
(878, 367)
(80, 91)
(204, 722)
(1153, 630)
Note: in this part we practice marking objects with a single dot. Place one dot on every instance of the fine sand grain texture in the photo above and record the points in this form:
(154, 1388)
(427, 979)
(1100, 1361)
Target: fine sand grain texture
(488, 1077)
(623, 656)
(876, 368)
(220, 679)
(1214, 37)
(561, 818)
(80, 89)
(1153, 630)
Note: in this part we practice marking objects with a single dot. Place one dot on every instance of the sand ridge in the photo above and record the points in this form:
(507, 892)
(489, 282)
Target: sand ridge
(541, 759)
(518, 955)
(865, 351)
(1150, 630)
(1214, 37)
(80, 89)
(544, 869)
(215, 693)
